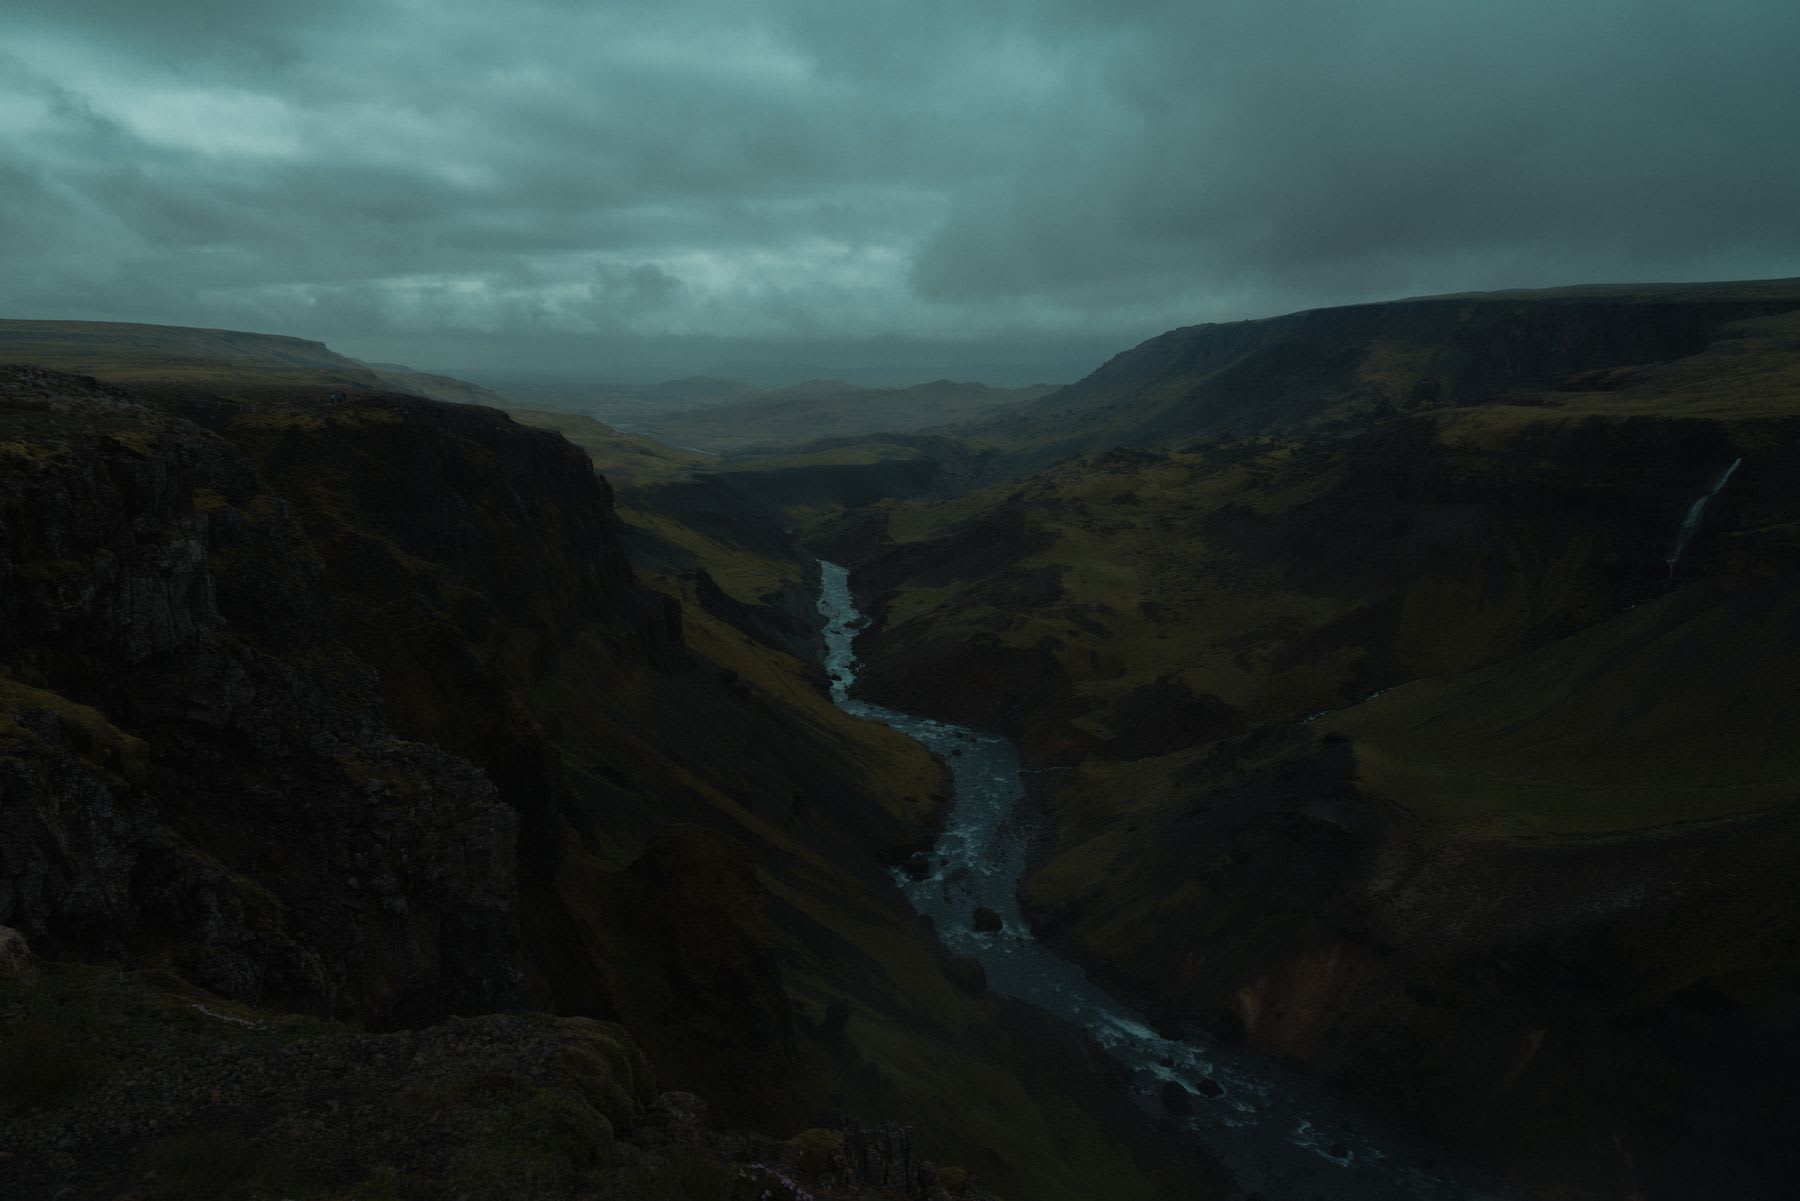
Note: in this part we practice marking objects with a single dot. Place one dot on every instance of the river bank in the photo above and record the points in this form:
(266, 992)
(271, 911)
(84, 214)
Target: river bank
(1276, 1132)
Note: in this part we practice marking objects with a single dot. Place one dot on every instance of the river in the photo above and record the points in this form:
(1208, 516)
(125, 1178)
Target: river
(1279, 1133)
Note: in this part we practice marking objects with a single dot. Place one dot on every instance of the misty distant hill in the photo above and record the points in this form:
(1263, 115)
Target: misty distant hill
(435, 387)
(827, 408)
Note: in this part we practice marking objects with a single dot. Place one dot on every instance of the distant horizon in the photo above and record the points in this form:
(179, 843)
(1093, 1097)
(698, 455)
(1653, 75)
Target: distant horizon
(889, 362)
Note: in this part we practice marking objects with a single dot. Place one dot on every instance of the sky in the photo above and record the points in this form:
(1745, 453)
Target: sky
(639, 189)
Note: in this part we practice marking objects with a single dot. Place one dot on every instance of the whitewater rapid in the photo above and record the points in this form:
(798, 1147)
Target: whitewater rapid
(1277, 1132)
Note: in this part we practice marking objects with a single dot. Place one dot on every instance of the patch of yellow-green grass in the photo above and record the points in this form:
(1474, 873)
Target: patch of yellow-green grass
(205, 500)
(1391, 369)
(898, 771)
(1745, 379)
(1096, 869)
(1494, 428)
(33, 454)
(742, 573)
(1145, 595)
(1678, 711)
(121, 756)
(139, 441)
(1753, 372)
(916, 602)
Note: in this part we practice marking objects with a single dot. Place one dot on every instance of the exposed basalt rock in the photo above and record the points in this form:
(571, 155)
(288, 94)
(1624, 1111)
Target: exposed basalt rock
(195, 759)
(197, 1097)
(888, 1158)
(15, 957)
(68, 848)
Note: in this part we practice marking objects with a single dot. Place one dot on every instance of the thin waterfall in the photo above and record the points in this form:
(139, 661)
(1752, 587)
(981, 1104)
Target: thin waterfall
(1691, 522)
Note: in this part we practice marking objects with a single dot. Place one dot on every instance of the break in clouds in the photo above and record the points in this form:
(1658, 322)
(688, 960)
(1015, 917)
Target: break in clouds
(467, 179)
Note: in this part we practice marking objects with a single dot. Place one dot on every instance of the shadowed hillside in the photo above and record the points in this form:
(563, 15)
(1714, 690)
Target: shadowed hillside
(352, 703)
(1598, 349)
(1377, 728)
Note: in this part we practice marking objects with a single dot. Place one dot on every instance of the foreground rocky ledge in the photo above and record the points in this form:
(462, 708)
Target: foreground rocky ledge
(137, 1085)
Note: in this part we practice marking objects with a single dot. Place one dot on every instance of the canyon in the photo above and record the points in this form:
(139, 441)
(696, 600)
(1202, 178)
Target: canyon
(1398, 699)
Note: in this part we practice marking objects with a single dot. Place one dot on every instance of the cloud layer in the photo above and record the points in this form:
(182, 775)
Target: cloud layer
(451, 174)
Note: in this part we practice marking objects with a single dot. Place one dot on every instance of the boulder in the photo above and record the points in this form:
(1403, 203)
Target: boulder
(888, 1158)
(987, 921)
(15, 957)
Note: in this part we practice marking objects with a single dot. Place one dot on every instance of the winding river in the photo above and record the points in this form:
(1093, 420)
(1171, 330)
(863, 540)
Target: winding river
(1279, 1133)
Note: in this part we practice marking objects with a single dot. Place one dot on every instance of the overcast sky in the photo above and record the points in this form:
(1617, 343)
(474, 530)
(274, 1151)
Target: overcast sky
(462, 183)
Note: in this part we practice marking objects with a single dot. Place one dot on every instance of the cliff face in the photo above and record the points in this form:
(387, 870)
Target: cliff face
(351, 702)
(242, 807)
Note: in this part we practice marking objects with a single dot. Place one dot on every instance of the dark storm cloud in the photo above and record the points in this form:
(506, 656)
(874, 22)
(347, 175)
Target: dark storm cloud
(1286, 153)
(810, 172)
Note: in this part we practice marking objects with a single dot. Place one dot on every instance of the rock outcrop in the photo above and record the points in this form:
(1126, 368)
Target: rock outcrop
(194, 760)
(16, 964)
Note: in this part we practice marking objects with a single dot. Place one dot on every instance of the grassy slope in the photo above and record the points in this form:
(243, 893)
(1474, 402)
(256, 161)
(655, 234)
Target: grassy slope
(640, 750)
(913, 1041)
(1341, 891)
(1284, 575)
(1678, 711)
